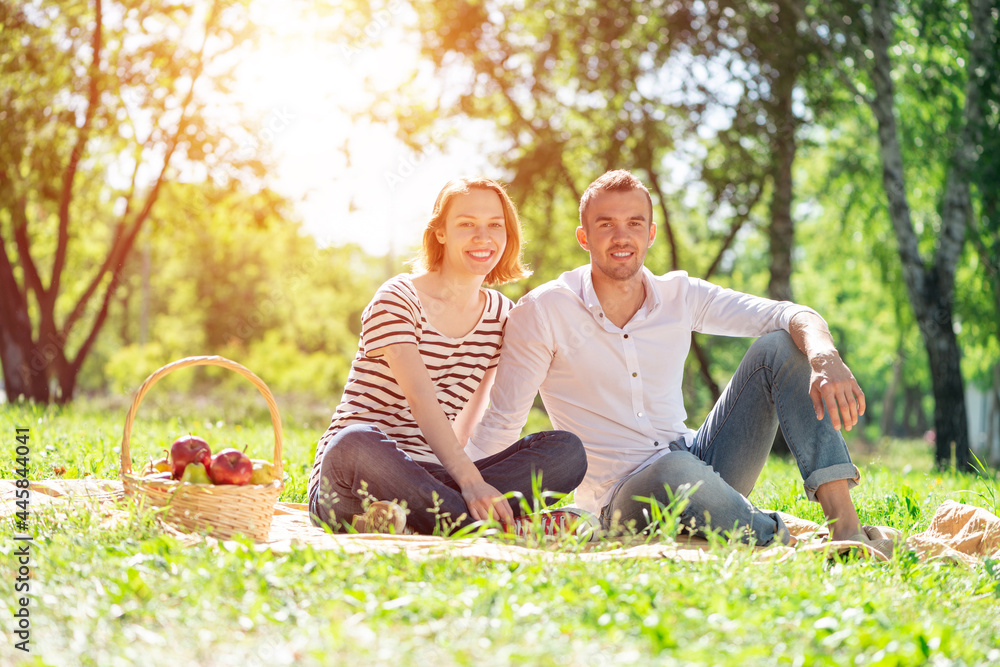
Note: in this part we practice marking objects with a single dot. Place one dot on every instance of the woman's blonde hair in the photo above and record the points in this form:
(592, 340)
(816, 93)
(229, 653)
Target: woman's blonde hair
(431, 254)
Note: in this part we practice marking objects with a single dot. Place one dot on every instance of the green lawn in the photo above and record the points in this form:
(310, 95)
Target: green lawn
(134, 596)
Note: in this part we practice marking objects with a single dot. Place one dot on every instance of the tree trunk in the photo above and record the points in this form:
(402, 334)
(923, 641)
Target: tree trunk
(67, 376)
(914, 419)
(24, 373)
(951, 424)
(889, 400)
(781, 232)
(931, 290)
(24, 370)
(782, 229)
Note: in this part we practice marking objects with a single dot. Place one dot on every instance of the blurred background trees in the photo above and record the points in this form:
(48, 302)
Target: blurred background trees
(102, 102)
(840, 154)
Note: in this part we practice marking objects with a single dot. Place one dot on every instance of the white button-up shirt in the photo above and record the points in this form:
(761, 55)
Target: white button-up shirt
(618, 389)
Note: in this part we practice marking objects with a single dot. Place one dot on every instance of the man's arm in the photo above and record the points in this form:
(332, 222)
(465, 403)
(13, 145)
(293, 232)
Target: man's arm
(831, 380)
(725, 312)
(525, 358)
(466, 420)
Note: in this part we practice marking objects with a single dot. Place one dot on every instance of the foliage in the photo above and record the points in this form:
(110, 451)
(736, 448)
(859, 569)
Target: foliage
(696, 100)
(846, 242)
(921, 71)
(223, 272)
(682, 94)
(102, 105)
(699, 101)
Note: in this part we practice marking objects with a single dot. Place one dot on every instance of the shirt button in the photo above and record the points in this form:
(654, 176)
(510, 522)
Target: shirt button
(638, 414)
(656, 443)
(600, 314)
(626, 335)
(635, 374)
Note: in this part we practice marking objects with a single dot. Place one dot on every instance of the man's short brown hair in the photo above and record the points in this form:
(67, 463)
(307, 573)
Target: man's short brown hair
(619, 180)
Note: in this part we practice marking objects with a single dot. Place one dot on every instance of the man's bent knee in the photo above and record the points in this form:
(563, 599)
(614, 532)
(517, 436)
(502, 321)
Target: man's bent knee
(776, 349)
(571, 447)
(775, 341)
(676, 469)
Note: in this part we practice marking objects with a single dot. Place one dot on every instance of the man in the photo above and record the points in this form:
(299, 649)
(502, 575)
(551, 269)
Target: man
(605, 345)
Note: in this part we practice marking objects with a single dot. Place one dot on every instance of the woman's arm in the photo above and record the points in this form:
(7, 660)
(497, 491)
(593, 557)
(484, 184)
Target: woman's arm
(412, 377)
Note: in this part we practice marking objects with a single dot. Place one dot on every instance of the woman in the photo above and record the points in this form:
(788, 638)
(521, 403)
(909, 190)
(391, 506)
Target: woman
(421, 380)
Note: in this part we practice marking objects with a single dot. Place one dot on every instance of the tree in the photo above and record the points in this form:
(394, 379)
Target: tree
(943, 74)
(103, 103)
(222, 271)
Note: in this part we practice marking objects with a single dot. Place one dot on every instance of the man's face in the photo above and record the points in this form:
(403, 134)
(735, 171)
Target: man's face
(616, 232)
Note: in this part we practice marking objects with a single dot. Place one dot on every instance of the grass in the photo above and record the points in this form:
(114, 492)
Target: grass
(129, 594)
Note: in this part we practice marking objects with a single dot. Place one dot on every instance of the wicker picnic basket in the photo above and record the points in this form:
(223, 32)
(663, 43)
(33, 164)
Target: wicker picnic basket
(218, 510)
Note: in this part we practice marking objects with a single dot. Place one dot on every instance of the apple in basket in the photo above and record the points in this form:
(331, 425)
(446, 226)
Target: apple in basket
(189, 449)
(230, 466)
(162, 465)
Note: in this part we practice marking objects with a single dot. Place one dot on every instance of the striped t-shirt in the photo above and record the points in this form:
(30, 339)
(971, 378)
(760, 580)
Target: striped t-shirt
(456, 366)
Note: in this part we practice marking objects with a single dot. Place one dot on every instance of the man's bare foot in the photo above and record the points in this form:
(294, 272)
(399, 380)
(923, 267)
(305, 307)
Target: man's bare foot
(881, 538)
(835, 498)
(844, 531)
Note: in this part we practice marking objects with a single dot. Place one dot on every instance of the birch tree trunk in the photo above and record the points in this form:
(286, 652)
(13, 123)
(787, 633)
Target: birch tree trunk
(930, 285)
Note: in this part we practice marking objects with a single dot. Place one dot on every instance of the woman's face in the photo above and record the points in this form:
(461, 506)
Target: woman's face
(474, 233)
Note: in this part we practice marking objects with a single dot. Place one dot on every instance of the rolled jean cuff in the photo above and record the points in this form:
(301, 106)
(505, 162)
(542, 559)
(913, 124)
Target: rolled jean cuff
(781, 532)
(818, 478)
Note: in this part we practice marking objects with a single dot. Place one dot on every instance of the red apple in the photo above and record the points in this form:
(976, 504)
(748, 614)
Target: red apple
(231, 466)
(189, 449)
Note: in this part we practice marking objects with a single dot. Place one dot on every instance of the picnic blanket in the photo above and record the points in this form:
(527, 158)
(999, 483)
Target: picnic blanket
(957, 533)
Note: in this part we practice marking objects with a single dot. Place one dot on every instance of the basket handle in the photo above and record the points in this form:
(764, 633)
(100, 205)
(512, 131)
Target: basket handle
(214, 360)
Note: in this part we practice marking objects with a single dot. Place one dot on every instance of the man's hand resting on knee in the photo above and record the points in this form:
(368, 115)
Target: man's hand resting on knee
(831, 381)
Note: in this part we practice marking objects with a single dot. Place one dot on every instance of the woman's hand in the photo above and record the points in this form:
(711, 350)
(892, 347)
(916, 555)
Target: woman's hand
(413, 378)
(485, 502)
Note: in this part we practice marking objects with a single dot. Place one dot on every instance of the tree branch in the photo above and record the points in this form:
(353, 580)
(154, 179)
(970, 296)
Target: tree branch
(703, 365)
(733, 231)
(74, 158)
(893, 178)
(113, 254)
(32, 278)
(11, 296)
(124, 241)
(662, 200)
(824, 47)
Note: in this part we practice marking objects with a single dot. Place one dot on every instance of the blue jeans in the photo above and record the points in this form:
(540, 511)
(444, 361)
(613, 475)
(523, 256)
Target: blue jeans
(363, 462)
(770, 388)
